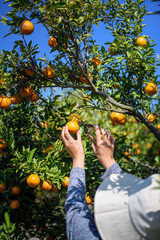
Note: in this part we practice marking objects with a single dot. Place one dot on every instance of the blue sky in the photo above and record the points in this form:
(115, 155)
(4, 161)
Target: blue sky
(41, 37)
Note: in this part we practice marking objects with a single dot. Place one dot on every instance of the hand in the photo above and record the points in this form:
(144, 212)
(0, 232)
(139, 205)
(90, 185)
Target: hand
(73, 147)
(103, 146)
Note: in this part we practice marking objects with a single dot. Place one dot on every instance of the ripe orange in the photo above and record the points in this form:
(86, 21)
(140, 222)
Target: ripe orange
(14, 204)
(45, 124)
(33, 180)
(151, 117)
(48, 72)
(48, 149)
(3, 144)
(141, 41)
(111, 51)
(46, 185)
(26, 91)
(34, 97)
(65, 182)
(1, 82)
(16, 190)
(127, 154)
(3, 187)
(158, 127)
(97, 61)
(118, 118)
(16, 99)
(26, 27)
(133, 120)
(52, 42)
(135, 145)
(30, 72)
(5, 102)
(84, 80)
(151, 88)
(88, 199)
(137, 151)
(73, 127)
(149, 145)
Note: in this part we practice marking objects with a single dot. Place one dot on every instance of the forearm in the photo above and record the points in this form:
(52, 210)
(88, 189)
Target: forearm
(79, 220)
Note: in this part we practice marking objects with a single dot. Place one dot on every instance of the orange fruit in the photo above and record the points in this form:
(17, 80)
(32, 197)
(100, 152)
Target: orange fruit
(45, 124)
(16, 99)
(88, 199)
(3, 187)
(151, 117)
(141, 41)
(127, 154)
(48, 149)
(26, 27)
(151, 88)
(137, 151)
(3, 144)
(111, 51)
(73, 127)
(149, 145)
(14, 204)
(5, 102)
(34, 97)
(97, 61)
(48, 72)
(16, 190)
(26, 91)
(118, 118)
(135, 145)
(55, 188)
(84, 80)
(30, 72)
(158, 127)
(33, 180)
(133, 120)
(46, 185)
(65, 182)
(1, 82)
(52, 42)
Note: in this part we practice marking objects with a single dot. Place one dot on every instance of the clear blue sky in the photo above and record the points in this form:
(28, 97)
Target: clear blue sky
(41, 37)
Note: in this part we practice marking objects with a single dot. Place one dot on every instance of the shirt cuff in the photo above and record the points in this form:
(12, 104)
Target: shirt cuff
(115, 168)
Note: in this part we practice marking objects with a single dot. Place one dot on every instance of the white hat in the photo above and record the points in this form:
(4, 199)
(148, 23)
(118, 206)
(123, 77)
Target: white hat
(128, 208)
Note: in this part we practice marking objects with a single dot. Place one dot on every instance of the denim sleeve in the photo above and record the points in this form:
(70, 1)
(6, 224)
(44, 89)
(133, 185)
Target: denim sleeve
(79, 220)
(115, 168)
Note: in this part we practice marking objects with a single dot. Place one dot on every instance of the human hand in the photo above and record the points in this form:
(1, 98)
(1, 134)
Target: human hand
(73, 147)
(103, 146)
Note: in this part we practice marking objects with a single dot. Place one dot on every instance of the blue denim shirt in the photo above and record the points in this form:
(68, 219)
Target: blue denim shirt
(79, 220)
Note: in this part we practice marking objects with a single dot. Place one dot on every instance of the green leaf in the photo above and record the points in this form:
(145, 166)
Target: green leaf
(30, 156)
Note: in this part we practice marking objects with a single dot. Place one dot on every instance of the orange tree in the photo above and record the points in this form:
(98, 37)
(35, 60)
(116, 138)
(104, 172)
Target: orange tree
(112, 79)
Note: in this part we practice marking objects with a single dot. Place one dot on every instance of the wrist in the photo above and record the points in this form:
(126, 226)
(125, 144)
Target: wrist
(78, 162)
(108, 164)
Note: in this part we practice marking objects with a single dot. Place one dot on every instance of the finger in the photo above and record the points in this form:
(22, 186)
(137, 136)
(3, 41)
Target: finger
(62, 133)
(94, 147)
(98, 134)
(67, 134)
(103, 133)
(113, 141)
(79, 136)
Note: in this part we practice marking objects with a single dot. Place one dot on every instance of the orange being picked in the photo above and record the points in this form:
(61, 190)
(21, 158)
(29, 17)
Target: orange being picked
(34, 97)
(151, 117)
(5, 102)
(33, 180)
(48, 72)
(16, 190)
(14, 204)
(30, 71)
(52, 42)
(65, 182)
(26, 91)
(3, 187)
(151, 89)
(84, 80)
(141, 41)
(3, 144)
(26, 27)
(15, 99)
(88, 199)
(73, 127)
(46, 185)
